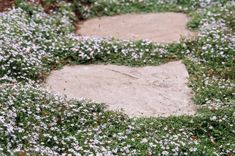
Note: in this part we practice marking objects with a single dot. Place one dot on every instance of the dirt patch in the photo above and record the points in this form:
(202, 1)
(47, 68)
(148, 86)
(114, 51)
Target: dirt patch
(6, 4)
(139, 91)
(156, 27)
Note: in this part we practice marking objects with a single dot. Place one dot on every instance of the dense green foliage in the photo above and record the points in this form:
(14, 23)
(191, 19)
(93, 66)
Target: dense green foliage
(35, 122)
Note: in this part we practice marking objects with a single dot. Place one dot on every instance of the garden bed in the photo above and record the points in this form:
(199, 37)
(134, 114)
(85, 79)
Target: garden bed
(34, 121)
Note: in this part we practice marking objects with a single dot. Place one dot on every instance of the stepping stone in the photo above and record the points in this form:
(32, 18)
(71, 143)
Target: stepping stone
(156, 27)
(138, 91)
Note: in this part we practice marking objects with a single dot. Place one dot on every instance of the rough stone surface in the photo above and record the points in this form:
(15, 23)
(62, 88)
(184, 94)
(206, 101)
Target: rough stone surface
(157, 27)
(138, 91)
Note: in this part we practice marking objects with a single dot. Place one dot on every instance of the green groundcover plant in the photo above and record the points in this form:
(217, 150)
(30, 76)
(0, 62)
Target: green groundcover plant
(36, 122)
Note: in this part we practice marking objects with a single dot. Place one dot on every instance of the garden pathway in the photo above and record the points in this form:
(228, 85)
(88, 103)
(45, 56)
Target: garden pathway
(138, 91)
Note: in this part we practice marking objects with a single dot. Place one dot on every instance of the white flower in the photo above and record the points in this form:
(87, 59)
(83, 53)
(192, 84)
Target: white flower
(193, 149)
(213, 118)
(144, 140)
(165, 153)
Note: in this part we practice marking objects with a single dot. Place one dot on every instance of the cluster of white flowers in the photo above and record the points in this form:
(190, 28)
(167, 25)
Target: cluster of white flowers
(20, 57)
(116, 5)
(28, 41)
(90, 48)
(216, 41)
(218, 46)
(216, 49)
(33, 121)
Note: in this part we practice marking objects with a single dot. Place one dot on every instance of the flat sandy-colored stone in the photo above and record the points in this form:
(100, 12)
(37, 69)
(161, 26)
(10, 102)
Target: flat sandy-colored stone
(156, 27)
(139, 91)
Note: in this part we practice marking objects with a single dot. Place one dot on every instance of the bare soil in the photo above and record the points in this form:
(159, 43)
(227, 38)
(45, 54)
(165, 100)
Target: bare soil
(157, 27)
(138, 91)
(6, 4)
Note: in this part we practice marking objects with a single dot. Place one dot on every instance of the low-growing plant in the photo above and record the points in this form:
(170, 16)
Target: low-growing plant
(36, 122)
